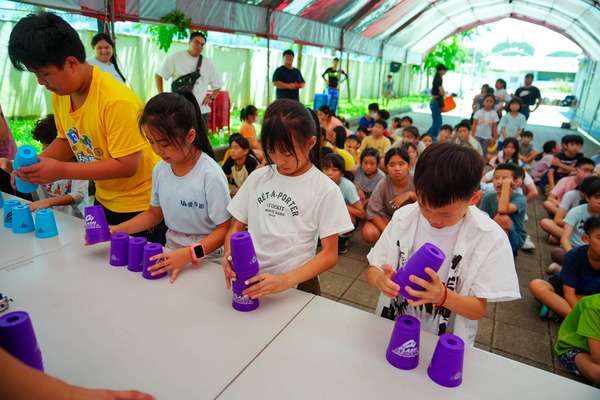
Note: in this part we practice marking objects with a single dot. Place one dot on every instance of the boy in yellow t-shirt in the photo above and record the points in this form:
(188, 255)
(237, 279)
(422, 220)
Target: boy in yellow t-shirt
(377, 140)
(96, 118)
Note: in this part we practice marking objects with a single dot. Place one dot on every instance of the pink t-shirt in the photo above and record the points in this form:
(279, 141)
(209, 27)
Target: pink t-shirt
(8, 148)
(563, 186)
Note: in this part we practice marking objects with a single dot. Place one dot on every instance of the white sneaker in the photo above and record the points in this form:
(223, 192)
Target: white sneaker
(528, 245)
(553, 268)
(526, 217)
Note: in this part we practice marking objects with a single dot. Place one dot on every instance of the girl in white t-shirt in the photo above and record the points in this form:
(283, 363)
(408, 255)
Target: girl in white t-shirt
(189, 188)
(485, 123)
(287, 204)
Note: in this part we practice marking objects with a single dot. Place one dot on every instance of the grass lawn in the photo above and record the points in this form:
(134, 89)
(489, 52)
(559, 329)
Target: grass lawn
(21, 127)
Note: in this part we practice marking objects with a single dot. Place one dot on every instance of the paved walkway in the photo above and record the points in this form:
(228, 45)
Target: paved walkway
(510, 329)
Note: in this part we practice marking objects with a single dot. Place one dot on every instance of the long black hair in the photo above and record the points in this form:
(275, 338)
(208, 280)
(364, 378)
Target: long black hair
(287, 122)
(173, 115)
(113, 60)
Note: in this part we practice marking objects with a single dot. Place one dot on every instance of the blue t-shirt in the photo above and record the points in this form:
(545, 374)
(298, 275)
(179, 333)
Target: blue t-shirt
(363, 121)
(576, 218)
(348, 191)
(578, 273)
(489, 204)
(511, 125)
(570, 161)
(287, 75)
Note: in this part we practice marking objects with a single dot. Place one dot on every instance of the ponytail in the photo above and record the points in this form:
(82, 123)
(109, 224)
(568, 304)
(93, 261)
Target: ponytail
(201, 140)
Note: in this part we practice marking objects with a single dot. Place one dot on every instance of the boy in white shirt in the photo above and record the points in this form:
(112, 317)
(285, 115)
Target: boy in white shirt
(479, 266)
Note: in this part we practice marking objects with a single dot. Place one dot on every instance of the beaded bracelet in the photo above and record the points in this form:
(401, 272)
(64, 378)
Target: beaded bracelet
(439, 305)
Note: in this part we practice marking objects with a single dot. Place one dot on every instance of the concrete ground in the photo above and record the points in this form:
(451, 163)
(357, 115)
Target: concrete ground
(510, 329)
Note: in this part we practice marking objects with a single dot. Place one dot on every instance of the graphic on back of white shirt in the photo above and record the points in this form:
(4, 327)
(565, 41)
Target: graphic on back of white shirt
(277, 204)
(82, 146)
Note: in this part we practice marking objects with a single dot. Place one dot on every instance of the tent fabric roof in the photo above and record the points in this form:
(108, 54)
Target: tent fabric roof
(396, 30)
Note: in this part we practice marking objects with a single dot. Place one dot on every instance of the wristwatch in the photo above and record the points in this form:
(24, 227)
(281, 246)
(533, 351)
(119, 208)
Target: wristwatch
(197, 253)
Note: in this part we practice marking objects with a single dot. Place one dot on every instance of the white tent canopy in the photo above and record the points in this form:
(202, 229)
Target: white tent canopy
(396, 30)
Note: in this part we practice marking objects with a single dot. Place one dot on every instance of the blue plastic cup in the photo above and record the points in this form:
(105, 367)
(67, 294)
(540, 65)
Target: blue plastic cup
(8, 206)
(26, 155)
(45, 224)
(22, 220)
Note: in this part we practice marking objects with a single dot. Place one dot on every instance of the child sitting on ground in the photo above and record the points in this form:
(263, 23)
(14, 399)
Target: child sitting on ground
(333, 167)
(391, 193)
(426, 139)
(352, 146)
(410, 134)
(578, 343)
(527, 153)
(249, 115)
(367, 175)
(396, 130)
(377, 138)
(445, 133)
(564, 162)
(507, 207)
(240, 164)
(580, 275)
(478, 267)
(583, 168)
(411, 149)
(463, 135)
(543, 161)
(571, 199)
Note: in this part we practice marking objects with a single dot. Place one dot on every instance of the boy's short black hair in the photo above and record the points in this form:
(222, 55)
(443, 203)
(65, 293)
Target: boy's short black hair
(548, 146)
(382, 122)
(363, 129)
(334, 161)
(370, 152)
(516, 100)
(42, 40)
(591, 224)
(288, 52)
(446, 127)
(584, 161)
(384, 114)
(407, 118)
(582, 187)
(527, 134)
(389, 76)
(572, 139)
(592, 189)
(463, 124)
(354, 137)
(447, 172)
(373, 107)
(336, 59)
(325, 151)
(44, 130)
(425, 134)
(441, 67)
(509, 166)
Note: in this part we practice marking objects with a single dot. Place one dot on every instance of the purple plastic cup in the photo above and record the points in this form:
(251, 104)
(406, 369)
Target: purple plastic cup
(22, 220)
(240, 302)
(96, 227)
(150, 250)
(18, 338)
(447, 362)
(45, 224)
(26, 155)
(403, 350)
(136, 254)
(119, 248)
(243, 257)
(428, 255)
(8, 206)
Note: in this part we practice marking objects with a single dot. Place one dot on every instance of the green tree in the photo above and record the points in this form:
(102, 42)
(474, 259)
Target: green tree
(449, 52)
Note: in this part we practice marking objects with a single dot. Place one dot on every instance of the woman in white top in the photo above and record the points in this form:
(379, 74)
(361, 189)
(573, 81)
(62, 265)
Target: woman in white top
(105, 57)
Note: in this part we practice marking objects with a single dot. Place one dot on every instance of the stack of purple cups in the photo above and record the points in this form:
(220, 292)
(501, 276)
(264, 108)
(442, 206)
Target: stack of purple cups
(18, 338)
(428, 255)
(245, 265)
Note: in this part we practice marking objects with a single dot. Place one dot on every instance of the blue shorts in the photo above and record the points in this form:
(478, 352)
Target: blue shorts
(568, 360)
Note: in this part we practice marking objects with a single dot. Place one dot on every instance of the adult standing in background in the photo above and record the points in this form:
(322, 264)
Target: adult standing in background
(333, 75)
(437, 101)
(287, 79)
(186, 61)
(105, 57)
(530, 96)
